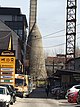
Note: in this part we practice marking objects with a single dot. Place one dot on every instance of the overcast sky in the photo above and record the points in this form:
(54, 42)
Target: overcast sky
(51, 17)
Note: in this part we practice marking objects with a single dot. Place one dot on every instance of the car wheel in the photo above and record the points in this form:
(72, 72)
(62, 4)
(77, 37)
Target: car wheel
(8, 105)
(14, 100)
(11, 101)
(21, 96)
(78, 100)
(27, 96)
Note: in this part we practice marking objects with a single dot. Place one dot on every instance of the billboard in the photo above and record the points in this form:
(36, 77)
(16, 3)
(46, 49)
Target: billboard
(7, 67)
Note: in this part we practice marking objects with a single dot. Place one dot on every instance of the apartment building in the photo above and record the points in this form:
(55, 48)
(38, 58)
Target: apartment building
(16, 22)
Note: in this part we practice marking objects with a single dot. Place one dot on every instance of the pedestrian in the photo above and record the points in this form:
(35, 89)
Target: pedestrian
(47, 90)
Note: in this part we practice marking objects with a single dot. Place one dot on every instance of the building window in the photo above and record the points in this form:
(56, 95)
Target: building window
(13, 18)
(19, 18)
(20, 33)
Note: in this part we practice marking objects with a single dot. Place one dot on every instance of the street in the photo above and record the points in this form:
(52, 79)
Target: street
(38, 98)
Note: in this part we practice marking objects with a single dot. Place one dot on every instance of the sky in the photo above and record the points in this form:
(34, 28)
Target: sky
(51, 20)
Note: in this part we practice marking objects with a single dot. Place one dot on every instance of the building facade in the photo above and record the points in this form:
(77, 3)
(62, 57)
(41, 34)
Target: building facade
(17, 22)
(54, 63)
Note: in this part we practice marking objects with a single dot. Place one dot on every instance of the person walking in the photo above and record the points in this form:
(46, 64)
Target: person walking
(47, 90)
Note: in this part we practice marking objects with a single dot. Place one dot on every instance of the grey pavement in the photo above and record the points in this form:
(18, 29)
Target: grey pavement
(38, 98)
(40, 93)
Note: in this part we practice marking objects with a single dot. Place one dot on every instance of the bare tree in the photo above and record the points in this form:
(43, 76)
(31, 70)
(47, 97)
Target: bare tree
(77, 54)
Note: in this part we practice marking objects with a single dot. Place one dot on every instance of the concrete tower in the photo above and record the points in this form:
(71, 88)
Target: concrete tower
(36, 53)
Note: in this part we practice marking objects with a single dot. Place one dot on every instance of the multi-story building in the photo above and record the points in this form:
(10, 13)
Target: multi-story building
(54, 63)
(16, 21)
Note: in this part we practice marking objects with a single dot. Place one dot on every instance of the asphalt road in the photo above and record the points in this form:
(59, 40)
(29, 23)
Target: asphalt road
(38, 98)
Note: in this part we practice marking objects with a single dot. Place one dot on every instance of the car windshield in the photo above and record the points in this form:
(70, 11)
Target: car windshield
(6, 86)
(2, 91)
(77, 87)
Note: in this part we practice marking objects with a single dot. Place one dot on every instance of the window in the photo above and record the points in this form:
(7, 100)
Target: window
(19, 18)
(77, 87)
(19, 82)
(20, 32)
(13, 18)
(2, 91)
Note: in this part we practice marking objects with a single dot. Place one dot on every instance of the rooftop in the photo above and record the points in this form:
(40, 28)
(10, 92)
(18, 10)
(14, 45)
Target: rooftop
(9, 11)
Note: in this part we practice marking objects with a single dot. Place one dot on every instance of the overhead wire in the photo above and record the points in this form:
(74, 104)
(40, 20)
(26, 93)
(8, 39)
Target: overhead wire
(53, 45)
(49, 35)
(5, 36)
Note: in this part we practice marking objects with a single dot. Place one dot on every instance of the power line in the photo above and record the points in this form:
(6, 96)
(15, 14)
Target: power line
(51, 37)
(56, 36)
(54, 33)
(48, 36)
(52, 46)
(57, 31)
(5, 36)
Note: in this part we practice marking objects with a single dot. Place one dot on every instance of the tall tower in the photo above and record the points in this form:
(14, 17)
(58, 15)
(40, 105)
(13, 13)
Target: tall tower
(36, 53)
(71, 30)
(33, 14)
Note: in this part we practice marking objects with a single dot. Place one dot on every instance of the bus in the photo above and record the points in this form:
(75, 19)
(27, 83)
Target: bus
(22, 85)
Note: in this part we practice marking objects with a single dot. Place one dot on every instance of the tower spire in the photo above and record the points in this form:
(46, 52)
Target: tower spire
(10, 46)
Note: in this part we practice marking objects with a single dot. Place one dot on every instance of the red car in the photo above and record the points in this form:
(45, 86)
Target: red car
(72, 97)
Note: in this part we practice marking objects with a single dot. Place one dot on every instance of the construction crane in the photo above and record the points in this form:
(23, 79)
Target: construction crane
(71, 30)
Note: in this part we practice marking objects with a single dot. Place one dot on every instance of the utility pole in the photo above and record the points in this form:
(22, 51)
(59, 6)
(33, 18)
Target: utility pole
(71, 30)
(53, 66)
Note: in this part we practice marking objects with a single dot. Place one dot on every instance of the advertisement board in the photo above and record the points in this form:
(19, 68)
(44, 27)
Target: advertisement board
(7, 67)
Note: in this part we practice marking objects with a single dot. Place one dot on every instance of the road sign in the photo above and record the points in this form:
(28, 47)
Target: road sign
(6, 76)
(7, 69)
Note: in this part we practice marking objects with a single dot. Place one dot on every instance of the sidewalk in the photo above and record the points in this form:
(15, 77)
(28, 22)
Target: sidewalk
(40, 93)
(64, 102)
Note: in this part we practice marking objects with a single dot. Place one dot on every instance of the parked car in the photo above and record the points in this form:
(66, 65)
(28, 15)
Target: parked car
(72, 97)
(58, 92)
(12, 93)
(73, 89)
(53, 89)
(4, 96)
(61, 92)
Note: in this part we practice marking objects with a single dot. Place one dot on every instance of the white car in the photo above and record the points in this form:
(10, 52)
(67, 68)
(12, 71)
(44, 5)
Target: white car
(74, 88)
(4, 95)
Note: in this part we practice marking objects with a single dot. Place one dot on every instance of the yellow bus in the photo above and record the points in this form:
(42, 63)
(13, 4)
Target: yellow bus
(21, 85)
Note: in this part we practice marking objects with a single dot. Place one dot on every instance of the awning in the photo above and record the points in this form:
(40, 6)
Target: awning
(60, 72)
